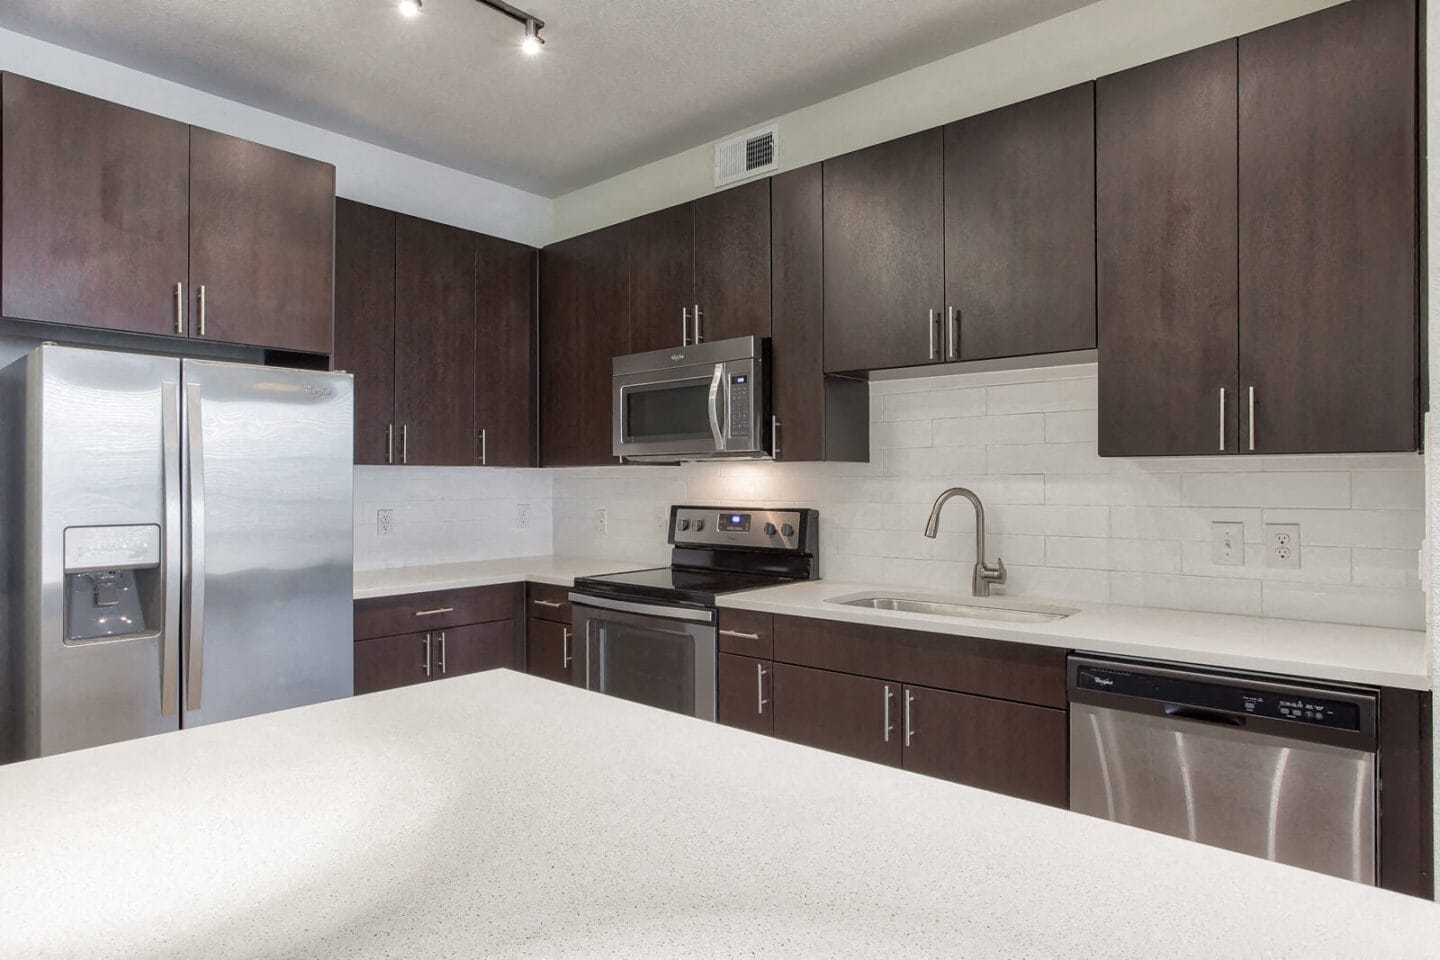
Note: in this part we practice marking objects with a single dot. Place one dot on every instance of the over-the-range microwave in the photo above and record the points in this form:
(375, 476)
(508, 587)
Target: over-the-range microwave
(707, 401)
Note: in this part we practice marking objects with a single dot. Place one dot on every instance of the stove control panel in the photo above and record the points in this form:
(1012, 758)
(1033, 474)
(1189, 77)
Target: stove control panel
(749, 528)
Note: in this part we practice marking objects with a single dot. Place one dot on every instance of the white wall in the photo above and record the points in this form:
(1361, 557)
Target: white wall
(363, 171)
(1067, 522)
(1090, 42)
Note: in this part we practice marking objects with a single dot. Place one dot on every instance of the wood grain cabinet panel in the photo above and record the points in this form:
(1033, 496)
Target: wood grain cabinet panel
(1011, 748)
(884, 253)
(732, 262)
(747, 633)
(473, 647)
(383, 663)
(1020, 228)
(505, 353)
(856, 716)
(745, 694)
(1167, 207)
(434, 344)
(365, 322)
(262, 245)
(433, 610)
(1328, 240)
(95, 221)
(549, 651)
(661, 277)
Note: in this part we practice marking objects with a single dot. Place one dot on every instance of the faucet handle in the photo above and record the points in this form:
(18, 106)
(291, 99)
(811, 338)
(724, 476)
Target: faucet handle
(995, 574)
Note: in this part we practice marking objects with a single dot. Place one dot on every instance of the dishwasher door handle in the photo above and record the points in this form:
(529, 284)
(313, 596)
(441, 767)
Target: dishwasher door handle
(1181, 712)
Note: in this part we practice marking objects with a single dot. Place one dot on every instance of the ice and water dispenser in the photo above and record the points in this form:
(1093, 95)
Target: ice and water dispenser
(113, 583)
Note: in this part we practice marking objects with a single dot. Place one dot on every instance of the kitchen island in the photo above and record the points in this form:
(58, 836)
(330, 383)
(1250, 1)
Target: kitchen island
(501, 815)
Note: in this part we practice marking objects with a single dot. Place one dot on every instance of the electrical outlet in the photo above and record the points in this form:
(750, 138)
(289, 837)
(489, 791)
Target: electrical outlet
(602, 520)
(522, 516)
(1282, 545)
(1227, 544)
(384, 522)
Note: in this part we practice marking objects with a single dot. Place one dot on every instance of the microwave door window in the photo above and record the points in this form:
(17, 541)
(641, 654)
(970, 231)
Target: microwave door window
(668, 411)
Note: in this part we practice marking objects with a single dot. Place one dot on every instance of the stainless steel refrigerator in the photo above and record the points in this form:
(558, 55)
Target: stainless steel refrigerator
(180, 544)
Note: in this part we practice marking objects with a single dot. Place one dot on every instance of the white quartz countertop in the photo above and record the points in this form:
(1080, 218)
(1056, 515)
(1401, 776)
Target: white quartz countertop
(1301, 648)
(560, 571)
(500, 815)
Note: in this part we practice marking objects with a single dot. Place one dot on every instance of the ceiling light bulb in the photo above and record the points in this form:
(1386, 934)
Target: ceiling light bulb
(532, 42)
(410, 8)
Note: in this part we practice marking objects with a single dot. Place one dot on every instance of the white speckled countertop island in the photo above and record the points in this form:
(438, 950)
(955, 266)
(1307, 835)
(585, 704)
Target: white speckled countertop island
(499, 815)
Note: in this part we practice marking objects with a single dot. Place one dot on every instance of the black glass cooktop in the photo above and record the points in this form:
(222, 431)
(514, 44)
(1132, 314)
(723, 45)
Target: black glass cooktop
(675, 585)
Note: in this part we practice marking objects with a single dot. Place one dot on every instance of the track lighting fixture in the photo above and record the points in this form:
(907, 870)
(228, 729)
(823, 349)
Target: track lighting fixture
(533, 42)
(410, 8)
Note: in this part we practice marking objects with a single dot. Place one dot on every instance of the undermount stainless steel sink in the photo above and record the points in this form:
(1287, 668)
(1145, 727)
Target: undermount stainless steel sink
(1003, 611)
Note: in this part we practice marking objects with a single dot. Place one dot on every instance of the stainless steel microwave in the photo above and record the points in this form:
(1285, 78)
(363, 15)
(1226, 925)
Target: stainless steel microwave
(708, 401)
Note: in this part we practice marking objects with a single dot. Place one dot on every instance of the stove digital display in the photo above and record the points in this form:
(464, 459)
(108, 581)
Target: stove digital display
(735, 522)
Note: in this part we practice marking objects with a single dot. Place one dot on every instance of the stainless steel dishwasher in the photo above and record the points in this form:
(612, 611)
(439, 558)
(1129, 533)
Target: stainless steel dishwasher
(1255, 764)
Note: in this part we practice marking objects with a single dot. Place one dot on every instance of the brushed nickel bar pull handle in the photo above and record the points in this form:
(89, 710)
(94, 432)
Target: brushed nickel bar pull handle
(1252, 416)
(202, 309)
(565, 656)
(442, 653)
(170, 630)
(180, 309)
(196, 648)
(933, 354)
(431, 613)
(404, 443)
(889, 728)
(482, 448)
(760, 700)
(699, 337)
(1222, 419)
(774, 437)
(909, 719)
(952, 335)
(426, 664)
(588, 625)
(390, 443)
(552, 604)
(741, 635)
(684, 326)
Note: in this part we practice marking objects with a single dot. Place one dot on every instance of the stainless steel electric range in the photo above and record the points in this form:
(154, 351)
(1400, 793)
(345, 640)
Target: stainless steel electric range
(650, 635)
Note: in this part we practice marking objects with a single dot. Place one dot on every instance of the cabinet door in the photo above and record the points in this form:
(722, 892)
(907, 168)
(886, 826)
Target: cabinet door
(884, 254)
(1011, 748)
(505, 352)
(732, 262)
(797, 382)
(1020, 228)
(262, 244)
(94, 229)
(856, 716)
(434, 344)
(745, 695)
(365, 322)
(583, 327)
(387, 662)
(1166, 202)
(549, 650)
(1328, 324)
(474, 647)
(662, 278)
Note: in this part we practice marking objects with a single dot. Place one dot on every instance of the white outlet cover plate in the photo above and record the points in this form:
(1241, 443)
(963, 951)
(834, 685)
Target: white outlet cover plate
(1227, 543)
(1282, 546)
(384, 522)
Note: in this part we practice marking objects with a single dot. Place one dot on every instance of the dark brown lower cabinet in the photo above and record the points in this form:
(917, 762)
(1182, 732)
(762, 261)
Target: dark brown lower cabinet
(547, 650)
(386, 662)
(1011, 748)
(856, 716)
(474, 647)
(746, 693)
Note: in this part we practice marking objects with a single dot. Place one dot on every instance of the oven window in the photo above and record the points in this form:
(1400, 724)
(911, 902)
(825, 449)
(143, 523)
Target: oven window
(668, 411)
(648, 665)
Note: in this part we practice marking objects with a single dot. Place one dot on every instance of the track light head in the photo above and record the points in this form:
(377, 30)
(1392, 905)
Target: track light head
(533, 42)
(411, 8)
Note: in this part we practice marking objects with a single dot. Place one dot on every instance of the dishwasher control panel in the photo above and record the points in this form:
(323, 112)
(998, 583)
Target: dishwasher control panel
(1237, 700)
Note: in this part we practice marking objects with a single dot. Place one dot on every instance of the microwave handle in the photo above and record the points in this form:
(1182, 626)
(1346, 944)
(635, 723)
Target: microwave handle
(717, 397)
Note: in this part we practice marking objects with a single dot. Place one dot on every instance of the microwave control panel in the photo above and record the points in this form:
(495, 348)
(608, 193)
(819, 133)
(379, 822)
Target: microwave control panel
(740, 407)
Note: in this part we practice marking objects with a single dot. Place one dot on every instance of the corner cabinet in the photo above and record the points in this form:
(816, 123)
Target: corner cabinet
(118, 219)
(419, 637)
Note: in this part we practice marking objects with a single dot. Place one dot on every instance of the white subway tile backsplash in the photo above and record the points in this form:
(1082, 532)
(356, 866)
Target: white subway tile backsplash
(899, 433)
(1043, 396)
(1011, 428)
(1267, 489)
(934, 404)
(1046, 458)
(1387, 489)
(1186, 593)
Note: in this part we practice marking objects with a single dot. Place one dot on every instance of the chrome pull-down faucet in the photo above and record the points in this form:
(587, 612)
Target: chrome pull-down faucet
(985, 574)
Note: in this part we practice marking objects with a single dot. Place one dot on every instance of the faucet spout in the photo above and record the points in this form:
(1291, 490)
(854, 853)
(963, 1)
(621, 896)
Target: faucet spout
(985, 574)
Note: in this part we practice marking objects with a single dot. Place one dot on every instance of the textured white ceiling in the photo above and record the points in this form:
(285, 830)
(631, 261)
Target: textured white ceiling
(620, 83)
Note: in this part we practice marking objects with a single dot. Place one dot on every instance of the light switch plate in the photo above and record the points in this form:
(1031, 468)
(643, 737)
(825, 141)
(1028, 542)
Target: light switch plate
(602, 520)
(1282, 546)
(1227, 544)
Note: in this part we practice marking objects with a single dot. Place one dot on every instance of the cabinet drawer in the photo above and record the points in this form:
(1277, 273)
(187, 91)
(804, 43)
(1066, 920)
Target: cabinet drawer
(548, 602)
(747, 634)
(436, 610)
(989, 668)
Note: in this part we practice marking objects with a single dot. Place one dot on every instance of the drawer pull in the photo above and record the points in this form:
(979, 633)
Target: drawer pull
(739, 634)
(760, 700)
(548, 603)
(889, 728)
(431, 613)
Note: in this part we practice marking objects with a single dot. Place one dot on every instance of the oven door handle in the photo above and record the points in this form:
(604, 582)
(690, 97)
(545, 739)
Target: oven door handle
(642, 609)
(717, 397)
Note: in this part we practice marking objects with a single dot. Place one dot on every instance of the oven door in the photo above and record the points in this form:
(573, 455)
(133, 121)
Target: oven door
(660, 656)
(693, 412)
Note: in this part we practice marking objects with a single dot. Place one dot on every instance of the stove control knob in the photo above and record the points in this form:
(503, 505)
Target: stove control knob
(684, 524)
(699, 525)
(787, 531)
(769, 529)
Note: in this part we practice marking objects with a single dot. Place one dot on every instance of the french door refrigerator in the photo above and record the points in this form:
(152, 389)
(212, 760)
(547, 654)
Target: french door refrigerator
(185, 547)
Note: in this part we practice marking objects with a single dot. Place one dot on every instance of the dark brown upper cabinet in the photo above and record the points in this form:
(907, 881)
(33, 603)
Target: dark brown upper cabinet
(365, 323)
(1020, 228)
(662, 278)
(1166, 201)
(732, 262)
(584, 314)
(885, 254)
(1329, 327)
(94, 229)
(505, 353)
(262, 245)
(434, 344)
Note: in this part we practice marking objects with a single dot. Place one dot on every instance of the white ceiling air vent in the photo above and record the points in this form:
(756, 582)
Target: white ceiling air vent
(747, 155)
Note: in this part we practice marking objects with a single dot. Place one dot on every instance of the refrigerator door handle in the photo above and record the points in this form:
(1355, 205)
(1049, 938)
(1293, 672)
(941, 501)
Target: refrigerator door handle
(196, 662)
(170, 470)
